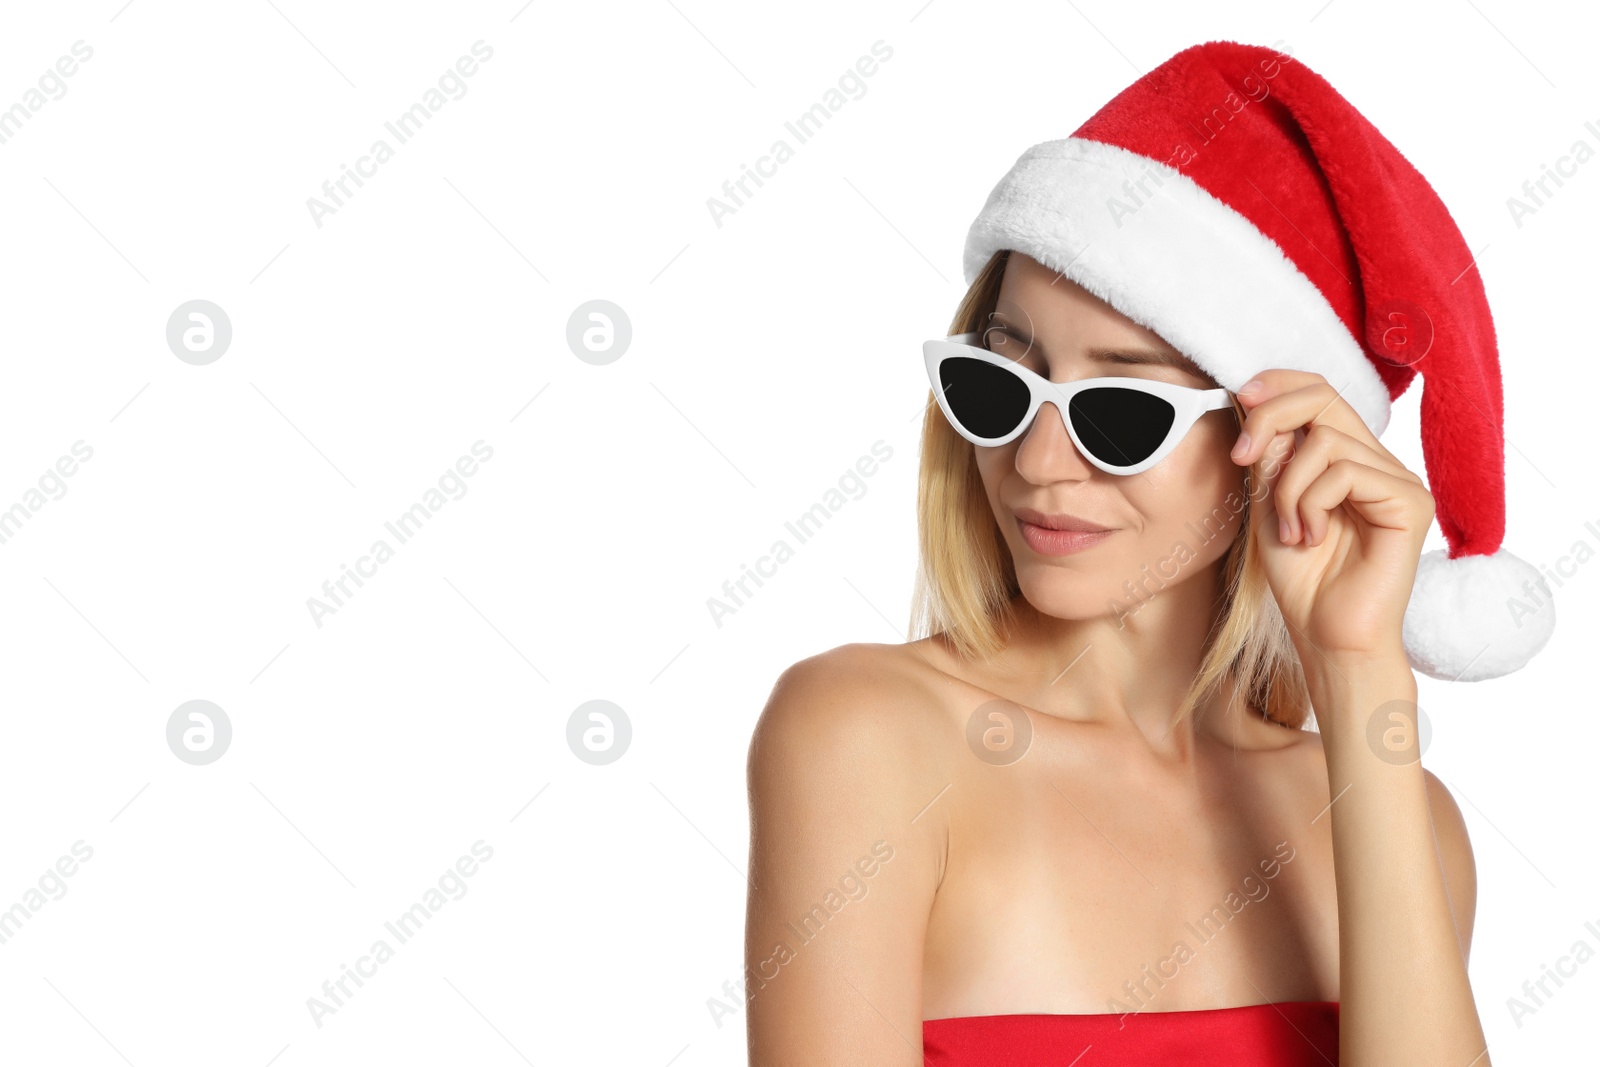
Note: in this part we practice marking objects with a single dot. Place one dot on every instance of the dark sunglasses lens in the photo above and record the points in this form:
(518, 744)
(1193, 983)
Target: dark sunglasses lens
(1120, 426)
(987, 400)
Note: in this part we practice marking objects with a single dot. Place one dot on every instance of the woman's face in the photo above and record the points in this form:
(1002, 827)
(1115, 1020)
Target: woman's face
(1170, 523)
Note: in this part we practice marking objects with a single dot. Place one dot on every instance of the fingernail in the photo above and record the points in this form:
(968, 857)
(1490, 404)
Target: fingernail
(1283, 529)
(1249, 387)
(1242, 445)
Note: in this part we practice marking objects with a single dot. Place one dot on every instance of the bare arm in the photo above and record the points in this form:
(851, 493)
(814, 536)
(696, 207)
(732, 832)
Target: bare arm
(842, 880)
(1406, 884)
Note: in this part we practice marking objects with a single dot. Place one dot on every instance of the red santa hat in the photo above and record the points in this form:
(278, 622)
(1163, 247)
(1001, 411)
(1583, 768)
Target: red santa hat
(1233, 202)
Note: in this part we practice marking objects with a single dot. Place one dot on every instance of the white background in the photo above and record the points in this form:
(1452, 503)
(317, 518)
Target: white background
(768, 355)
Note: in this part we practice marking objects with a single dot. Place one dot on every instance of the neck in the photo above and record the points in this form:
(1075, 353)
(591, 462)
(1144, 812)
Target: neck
(1127, 671)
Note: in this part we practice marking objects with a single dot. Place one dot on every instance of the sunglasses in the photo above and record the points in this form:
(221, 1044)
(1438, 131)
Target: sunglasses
(1121, 425)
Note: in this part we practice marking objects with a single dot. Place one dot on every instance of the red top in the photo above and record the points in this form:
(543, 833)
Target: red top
(1296, 1033)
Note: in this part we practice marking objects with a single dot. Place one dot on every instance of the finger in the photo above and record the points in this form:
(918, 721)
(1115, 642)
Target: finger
(1322, 447)
(1378, 497)
(1265, 475)
(1289, 399)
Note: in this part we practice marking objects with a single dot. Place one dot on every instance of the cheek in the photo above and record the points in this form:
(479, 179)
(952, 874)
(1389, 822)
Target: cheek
(993, 463)
(1206, 453)
(1189, 485)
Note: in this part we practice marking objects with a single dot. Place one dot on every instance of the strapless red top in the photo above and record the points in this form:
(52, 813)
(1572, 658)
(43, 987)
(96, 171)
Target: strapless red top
(1296, 1033)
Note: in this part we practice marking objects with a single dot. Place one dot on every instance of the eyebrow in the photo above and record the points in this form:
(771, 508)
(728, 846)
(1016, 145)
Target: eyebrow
(1148, 356)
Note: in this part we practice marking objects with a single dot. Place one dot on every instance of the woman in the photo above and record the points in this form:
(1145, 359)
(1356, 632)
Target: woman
(1084, 817)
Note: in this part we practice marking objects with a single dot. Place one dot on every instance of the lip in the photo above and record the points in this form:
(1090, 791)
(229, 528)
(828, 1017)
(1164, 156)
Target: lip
(1066, 535)
(1059, 522)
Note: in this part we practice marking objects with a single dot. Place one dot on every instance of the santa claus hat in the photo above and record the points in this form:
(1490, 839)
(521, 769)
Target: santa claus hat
(1233, 202)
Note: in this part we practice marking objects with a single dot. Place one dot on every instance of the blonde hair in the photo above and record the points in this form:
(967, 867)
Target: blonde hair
(966, 579)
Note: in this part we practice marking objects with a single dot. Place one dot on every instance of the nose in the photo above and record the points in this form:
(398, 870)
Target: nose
(1045, 452)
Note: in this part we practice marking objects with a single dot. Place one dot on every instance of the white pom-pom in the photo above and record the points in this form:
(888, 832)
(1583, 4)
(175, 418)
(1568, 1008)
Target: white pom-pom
(1476, 617)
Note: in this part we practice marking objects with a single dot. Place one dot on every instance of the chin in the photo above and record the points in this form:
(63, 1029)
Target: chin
(1064, 593)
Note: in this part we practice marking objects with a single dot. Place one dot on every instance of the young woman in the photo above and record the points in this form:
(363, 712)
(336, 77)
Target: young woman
(1084, 816)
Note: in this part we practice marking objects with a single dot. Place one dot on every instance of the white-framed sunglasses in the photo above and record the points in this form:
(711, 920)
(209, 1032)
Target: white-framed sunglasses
(1121, 425)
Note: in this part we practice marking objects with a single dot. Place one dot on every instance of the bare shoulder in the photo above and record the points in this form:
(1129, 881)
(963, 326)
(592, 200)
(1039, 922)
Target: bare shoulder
(1455, 856)
(857, 702)
(1450, 836)
(1447, 821)
(844, 758)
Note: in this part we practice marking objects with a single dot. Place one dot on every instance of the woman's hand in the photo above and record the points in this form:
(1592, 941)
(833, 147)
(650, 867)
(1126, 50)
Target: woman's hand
(1356, 517)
